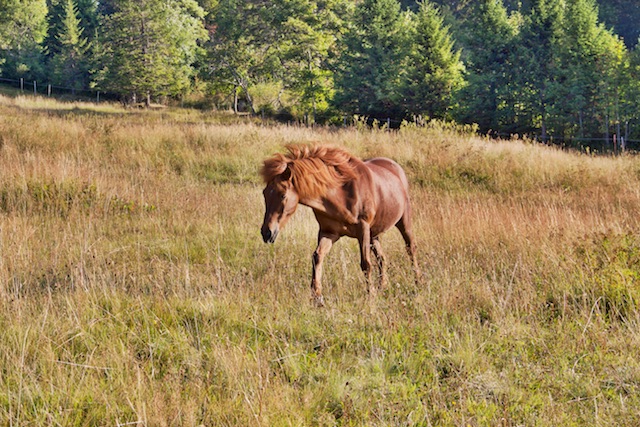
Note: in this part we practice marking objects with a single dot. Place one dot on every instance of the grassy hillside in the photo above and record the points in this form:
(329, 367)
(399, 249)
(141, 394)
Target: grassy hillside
(135, 288)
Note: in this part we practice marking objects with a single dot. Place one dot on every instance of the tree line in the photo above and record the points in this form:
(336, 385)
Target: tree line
(545, 68)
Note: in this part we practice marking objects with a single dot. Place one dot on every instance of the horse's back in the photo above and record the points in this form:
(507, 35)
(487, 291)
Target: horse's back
(380, 164)
(392, 190)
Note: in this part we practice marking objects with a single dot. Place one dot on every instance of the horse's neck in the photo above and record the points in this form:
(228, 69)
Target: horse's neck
(342, 205)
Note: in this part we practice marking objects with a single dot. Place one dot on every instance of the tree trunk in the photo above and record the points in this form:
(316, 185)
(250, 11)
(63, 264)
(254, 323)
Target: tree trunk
(235, 99)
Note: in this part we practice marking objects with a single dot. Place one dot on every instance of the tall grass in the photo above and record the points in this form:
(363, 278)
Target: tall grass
(135, 289)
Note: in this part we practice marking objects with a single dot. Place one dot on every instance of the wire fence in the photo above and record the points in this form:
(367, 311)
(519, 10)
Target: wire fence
(34, 87)
(603, 145)
(612, 143)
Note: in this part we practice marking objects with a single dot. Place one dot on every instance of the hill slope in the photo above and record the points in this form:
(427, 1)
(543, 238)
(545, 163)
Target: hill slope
(134, 286)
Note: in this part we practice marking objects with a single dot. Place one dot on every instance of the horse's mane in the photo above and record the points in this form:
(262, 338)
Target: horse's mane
(314, 169)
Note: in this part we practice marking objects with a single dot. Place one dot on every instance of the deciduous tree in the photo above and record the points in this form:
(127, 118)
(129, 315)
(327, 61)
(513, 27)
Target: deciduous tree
(150, 46)
(285, 44)
(23, 27)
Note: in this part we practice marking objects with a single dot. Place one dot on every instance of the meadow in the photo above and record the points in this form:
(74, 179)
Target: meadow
(135, 288)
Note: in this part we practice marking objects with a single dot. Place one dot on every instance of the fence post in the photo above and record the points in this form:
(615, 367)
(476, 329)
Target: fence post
(21, 84)
(98, 97)
(49, 90)
(35, 88)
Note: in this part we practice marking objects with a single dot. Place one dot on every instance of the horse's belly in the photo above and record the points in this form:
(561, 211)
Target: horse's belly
(333, 226)
(385, 219)
(392, 198)
(389, 210)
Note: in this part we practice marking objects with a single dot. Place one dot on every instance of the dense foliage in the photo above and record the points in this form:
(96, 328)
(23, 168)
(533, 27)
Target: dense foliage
(561, 69)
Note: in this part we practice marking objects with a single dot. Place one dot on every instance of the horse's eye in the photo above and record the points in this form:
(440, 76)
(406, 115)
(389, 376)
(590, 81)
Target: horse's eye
(283, 196)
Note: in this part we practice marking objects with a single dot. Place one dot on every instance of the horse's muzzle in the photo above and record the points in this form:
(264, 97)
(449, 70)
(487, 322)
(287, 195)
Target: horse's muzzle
(269, 236)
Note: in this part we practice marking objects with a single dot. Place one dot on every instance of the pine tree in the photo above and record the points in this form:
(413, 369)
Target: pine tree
(630, 103)
(591, 57)
(374, 65)
(69, 65)
(434, 73)
(85, 11)
(537, 66)
(490, 38)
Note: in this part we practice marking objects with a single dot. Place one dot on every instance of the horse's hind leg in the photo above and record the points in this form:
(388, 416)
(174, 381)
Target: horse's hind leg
(366, 242)
(404, 225)
(380, 258)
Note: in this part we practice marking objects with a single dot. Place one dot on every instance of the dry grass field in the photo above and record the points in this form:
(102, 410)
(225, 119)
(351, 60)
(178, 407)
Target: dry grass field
(135, 288)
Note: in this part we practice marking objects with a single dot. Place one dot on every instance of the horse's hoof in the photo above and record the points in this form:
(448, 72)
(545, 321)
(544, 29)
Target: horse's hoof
(318, 300)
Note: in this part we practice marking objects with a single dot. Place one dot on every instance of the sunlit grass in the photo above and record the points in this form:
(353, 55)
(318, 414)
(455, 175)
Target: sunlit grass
(135, 288)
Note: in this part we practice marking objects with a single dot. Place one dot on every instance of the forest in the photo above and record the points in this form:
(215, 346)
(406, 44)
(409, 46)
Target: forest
(552, 70)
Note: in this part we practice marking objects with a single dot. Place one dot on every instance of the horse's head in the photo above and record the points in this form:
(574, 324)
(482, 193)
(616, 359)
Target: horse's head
(281, 201)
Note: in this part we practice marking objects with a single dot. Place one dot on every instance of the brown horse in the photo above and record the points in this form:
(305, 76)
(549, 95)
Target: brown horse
(349, 197)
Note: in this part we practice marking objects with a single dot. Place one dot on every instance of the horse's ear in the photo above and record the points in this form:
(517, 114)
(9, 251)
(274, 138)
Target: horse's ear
(286, 175)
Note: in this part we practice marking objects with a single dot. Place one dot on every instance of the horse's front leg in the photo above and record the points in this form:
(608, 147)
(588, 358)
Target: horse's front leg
(325, 242)
(364, 239)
